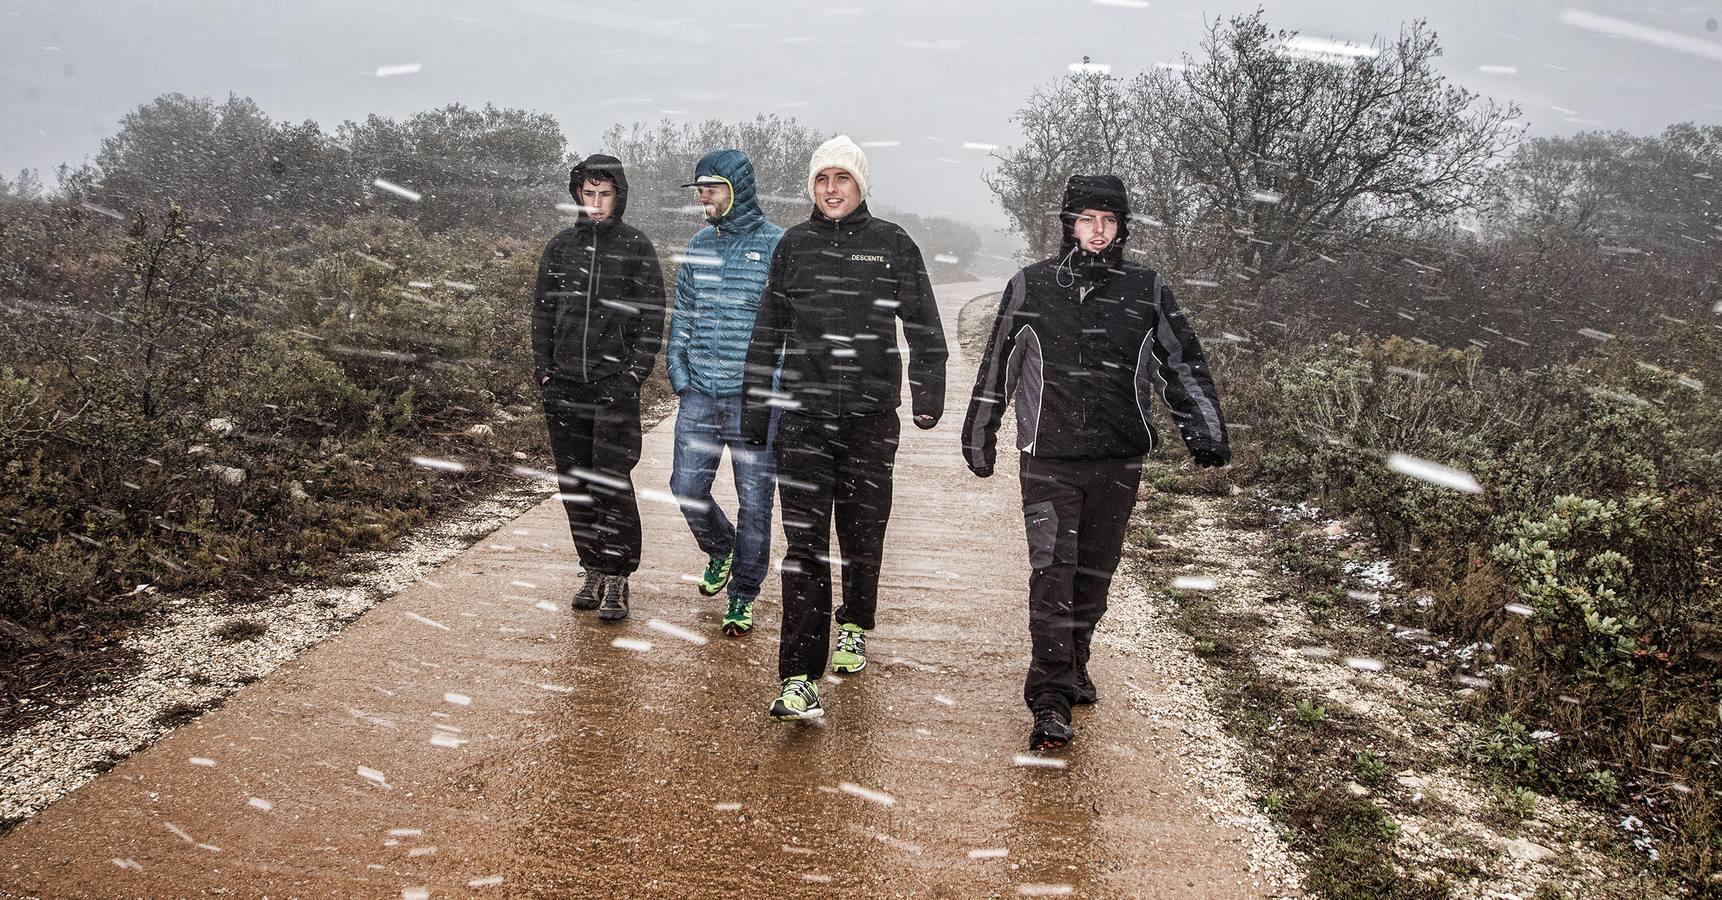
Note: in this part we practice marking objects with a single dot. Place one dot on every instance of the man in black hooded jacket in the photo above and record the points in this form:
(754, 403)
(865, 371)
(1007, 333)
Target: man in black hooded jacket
(597, 322)
(1082, 343)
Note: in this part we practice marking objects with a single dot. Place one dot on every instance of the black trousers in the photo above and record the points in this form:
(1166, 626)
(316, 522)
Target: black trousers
(595, 438)
(826, 465)
(1076, 512)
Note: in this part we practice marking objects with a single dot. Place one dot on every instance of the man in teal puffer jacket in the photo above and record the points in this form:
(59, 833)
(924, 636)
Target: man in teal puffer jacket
(717, 295)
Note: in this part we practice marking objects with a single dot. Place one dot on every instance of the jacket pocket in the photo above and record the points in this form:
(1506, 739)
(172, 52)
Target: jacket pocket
(1041, 522)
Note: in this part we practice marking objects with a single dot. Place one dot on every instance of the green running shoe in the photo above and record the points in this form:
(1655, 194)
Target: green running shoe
(717, 574)
(851, 655)
(799, 700)
(739, 620)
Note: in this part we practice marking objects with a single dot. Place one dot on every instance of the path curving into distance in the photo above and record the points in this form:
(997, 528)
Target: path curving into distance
(472, 736)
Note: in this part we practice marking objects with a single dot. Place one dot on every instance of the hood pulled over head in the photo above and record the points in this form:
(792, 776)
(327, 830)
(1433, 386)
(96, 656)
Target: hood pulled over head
(610, 166)
(735, 169)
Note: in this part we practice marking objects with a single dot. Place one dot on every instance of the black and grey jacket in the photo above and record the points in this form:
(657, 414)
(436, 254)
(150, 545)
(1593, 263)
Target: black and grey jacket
(1083, 364)
(1083, 342)
(598, 304)
(829, 318)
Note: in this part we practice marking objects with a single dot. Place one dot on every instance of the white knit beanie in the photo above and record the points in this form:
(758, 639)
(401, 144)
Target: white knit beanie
(843, 153)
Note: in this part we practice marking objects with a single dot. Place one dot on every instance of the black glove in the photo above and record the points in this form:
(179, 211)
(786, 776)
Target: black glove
(1211, 457)
(982, 471)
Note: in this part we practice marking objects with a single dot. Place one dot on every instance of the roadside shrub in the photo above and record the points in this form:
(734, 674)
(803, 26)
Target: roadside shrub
(1573, 581)
(1589, 563)
(1507, 744)
(1309, 714)
(248, 415)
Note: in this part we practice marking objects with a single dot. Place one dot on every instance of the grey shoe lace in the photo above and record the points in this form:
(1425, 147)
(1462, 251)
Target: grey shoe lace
(852, 642)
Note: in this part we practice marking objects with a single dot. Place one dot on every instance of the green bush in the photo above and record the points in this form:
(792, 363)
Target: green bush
(1507, 744)
(1568, 568)
(1369, 767)
(249, 418)
(1599, 518)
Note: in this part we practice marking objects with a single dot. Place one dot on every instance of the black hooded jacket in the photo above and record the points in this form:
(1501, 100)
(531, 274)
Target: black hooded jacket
(829, 316)
(598, 305)
(1082, 344)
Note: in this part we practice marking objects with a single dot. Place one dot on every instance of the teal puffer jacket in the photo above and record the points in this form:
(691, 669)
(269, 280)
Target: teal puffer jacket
(719, 285)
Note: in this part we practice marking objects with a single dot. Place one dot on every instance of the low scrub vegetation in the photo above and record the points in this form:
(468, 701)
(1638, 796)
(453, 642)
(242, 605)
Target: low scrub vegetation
(1586, 568)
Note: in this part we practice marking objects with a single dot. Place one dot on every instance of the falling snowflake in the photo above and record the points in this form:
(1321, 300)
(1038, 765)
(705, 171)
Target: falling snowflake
(1434, 473)
(868, 794)
(397, 190)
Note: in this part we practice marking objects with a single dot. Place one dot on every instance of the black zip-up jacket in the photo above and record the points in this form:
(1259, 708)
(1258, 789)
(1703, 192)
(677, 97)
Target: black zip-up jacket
(828, 314)
(598, 304)
(1083, 360)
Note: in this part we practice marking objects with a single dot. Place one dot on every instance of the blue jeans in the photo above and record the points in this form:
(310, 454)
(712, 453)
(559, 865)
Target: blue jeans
(704, 427)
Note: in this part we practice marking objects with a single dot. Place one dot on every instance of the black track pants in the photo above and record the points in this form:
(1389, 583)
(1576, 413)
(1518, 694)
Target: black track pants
(1075, 512)
(840, 465)
(595, 438)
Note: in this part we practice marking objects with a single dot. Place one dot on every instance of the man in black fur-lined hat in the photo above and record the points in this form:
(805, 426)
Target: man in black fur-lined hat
(1082, 343)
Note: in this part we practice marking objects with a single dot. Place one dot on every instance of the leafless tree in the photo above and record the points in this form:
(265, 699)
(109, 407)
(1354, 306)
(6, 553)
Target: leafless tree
(1267, 152)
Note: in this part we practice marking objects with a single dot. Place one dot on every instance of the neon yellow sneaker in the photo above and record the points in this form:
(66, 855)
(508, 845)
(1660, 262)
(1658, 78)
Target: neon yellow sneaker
(739, 620)
(799, 700)
(851, 655)
(717, 574)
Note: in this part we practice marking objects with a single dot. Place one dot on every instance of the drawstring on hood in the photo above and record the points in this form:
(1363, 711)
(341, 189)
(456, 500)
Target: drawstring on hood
(1058, 271)
(735, 169)
(1101, 192)
(608, 165)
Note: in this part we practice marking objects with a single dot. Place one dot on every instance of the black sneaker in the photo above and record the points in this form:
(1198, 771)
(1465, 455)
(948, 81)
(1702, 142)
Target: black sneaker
(1086, 695)
(587, 596)
(613, 598)
(1051, 729)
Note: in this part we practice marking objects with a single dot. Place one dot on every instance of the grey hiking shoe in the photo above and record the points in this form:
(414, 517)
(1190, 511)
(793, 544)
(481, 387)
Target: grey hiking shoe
(587, 596)
(613, 598)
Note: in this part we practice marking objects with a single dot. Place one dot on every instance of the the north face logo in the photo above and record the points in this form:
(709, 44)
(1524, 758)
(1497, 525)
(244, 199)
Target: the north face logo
(866, 257)
(754, 256)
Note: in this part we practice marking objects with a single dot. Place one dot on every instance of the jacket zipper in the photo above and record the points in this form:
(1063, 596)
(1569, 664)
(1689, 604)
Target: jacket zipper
(1082, 338)
(842, 386)
(591, 285)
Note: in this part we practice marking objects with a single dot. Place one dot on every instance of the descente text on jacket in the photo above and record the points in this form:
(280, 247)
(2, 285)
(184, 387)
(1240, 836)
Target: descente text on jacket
(829, 313)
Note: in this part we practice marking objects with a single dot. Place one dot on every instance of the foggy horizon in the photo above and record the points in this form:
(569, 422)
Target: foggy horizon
(942, 82)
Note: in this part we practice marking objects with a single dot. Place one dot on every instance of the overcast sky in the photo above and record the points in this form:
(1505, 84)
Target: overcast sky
(932, 74)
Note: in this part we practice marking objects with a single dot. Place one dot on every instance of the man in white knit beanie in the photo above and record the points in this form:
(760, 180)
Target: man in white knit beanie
(824, 350)
(842, 153)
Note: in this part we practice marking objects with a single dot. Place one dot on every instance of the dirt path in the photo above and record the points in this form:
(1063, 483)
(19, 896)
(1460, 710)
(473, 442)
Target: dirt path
(474, 736)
